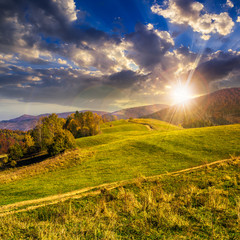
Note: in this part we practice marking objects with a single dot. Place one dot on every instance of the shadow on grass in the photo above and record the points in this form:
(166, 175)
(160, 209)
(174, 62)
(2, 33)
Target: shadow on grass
(32, 159)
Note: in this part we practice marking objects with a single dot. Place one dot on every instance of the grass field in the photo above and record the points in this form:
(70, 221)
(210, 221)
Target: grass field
(198, 204)
(124, 150)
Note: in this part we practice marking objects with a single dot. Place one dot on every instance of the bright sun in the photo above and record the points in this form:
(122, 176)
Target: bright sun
(181, 94)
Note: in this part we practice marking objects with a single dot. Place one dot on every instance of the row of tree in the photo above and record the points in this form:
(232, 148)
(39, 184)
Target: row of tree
(83, 124)
(8, 138)
(51, 134)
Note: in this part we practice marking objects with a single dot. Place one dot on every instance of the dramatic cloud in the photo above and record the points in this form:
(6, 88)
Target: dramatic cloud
(125, 79)
(223, 69)
(107, 58)
(25, 25)
(222, 65)
(191, 13)
(50, 85)
(67, 8)
(50, 53)
(148, 45)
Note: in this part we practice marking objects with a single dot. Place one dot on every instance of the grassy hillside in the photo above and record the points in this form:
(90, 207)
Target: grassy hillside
(122, 126)
(156, 124)
(119, 155)
(199, 204)
(139, 124)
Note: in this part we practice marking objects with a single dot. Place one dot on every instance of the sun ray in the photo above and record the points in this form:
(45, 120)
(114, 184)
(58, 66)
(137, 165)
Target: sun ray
(181, 94)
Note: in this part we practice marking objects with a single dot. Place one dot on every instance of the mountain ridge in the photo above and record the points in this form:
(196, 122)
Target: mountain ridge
(217, 108)
(26, 122)
(134, 112)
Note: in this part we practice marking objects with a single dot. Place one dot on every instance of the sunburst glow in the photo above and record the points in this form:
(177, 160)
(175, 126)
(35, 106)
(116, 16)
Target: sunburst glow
(181, 94)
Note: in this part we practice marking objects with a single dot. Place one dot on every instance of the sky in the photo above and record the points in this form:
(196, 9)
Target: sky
(67, 55)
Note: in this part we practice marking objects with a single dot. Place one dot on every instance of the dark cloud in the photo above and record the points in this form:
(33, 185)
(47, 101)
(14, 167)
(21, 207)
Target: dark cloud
(233, 82)
(220, 67)
(46, 85)
(148, 48)
(33, 21)
(208, 50)
(38, 32)
(12, 75)
(176, 33)
(185, 6)
(38, 37)
(125, 79)
(50, 85)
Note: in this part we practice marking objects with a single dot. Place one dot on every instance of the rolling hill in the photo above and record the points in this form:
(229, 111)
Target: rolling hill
(123, 151)
(142, 178)
(135, 112)
(217, 108)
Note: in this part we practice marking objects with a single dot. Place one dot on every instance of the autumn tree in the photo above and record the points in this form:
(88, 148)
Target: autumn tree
(28, 144)
(9, 138)
(83, 124)
(49, 135)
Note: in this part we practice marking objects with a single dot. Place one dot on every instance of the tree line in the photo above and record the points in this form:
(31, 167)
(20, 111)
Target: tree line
(52, 134)
(10, 137)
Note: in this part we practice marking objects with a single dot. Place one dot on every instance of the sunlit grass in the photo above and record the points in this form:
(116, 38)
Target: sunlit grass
(203, 204)
(123, 155)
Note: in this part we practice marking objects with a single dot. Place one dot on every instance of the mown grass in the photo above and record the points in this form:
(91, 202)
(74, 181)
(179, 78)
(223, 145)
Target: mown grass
(202, 204)
(124, 155)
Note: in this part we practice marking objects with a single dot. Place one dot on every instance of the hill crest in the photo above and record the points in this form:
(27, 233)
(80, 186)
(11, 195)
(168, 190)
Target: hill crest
(135, 112)
(217, 108)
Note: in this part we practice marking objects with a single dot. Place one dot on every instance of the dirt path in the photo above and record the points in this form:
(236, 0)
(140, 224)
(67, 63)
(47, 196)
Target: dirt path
(36, 203)
(149, 127)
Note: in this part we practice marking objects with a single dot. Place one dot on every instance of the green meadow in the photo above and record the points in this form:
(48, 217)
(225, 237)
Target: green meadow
(199, 204)
(124, 150)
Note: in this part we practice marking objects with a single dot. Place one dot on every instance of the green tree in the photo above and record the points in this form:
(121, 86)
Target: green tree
(62, 140)
(45, 131)
(83, 124)
(15, 152)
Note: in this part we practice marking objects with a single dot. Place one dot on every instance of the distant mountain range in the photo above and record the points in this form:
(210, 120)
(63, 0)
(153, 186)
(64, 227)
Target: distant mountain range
(217, 108)
(26, 122)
